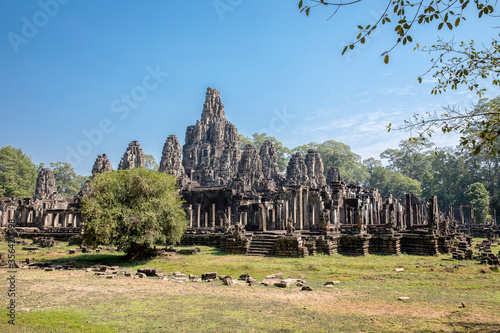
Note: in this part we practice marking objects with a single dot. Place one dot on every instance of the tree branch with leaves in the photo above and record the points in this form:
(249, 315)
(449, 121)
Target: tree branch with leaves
(456, 64)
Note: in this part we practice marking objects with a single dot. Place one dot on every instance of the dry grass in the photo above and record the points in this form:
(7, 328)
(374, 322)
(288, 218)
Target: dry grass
(365, 301)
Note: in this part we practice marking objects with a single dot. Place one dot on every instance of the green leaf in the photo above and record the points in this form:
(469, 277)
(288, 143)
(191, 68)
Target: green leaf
(300, 4)
(386, 59)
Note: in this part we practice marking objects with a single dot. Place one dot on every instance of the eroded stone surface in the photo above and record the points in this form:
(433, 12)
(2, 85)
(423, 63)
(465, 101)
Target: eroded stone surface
(296, 172)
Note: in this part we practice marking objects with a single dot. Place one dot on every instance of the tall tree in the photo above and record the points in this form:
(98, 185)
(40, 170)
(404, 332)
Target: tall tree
(446, 177)
(17, 173)
(133, 209)
(479, 198)
(150, 162)
(393, 182)
(411, 159)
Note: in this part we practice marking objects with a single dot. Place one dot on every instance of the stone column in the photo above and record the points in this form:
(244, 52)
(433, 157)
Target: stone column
(300, 210)
(408, 212)
(212, 222)
(262, 218)
(205, 222)
(198, 215)
(190, 215)
(305, 208)
(228, 214)
(273, 218)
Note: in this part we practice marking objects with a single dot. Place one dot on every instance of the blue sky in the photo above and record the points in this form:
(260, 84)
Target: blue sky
(67, 67)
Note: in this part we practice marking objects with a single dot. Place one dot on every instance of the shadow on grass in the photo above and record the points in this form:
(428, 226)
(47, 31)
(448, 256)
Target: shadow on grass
(120, 259)
(476, 327)
(102, 258)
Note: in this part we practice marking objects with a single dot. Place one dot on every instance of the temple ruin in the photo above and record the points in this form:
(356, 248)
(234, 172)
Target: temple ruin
(237, 199)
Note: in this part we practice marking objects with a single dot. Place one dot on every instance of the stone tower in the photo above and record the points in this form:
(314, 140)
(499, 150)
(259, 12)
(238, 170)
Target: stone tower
(171, 157)
(250, 167)
(45, 184)
(315, 169)
(102, 165)
(212, 149)
(334, 175)
(296, 172)
(269, 159)
(133, 157)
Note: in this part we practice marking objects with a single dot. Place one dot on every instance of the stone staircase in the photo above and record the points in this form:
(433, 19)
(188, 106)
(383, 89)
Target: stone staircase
(262, 244)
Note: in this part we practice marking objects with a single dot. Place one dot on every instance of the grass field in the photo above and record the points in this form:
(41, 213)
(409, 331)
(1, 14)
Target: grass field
(366, 300)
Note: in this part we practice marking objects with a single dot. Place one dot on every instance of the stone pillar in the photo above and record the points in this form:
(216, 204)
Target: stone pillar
(205, 222)
(433, 212)
(285, 215)
(190, 215)
(305, 208)
(408, 211)
(273, 218)
(262, 218)
(198, 215)
(212, 222)
(300, 210)
(228, 214)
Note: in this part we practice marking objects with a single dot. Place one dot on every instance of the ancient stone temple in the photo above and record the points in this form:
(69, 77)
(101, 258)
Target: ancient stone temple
(212, 150)
(102, 165)
(237, 199)
(45, 184)
(133, 157)
(46, 213)
(171, 157)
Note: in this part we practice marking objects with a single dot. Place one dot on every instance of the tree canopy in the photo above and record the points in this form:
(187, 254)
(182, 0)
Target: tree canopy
(393, 182)
(17, 173)
(479, 198)
(134, 210)
(150, 162)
